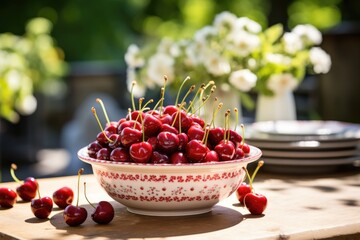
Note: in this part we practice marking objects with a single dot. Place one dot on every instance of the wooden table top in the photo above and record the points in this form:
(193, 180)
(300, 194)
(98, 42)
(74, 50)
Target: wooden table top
(298, 208)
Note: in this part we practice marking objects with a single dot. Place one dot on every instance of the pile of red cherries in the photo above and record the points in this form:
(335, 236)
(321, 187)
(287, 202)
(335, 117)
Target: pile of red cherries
(172, 134)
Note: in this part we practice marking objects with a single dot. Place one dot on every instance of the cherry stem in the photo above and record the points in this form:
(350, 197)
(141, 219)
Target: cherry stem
(260, 163)
(201, 88)
(157, 105)
(206, 135)
(12, 172)
(228, 125)
(38, 189)
(248, 176)
(93, 110)
(236, 118)
(104, 110)
(215, 112)
(162, 94)
(181, 86)
(243, 134)
(132, 95)
(86, 196)
(129, 113)
(81, 170)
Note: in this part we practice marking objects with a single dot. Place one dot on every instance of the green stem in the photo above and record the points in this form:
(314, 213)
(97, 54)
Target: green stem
(86, 196)
(104, 110)
(181, 86)
(12, 172)
(81, 170)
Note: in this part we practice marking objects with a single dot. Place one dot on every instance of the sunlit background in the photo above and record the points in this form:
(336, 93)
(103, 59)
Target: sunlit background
(76, 54)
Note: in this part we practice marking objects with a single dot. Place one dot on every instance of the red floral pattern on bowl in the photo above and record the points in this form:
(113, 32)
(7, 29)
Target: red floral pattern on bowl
(169, 189)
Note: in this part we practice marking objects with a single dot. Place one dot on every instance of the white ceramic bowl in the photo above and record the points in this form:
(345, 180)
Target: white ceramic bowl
(167, 189)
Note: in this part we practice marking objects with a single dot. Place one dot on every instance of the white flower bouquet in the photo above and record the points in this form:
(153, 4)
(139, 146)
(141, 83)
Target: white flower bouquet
(234, 52)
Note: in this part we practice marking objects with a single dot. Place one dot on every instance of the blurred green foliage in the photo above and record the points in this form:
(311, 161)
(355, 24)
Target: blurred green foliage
(28, 63)
(102, 30)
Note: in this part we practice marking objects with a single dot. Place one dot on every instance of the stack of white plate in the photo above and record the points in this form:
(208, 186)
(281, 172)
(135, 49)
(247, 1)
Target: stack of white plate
(305, 146)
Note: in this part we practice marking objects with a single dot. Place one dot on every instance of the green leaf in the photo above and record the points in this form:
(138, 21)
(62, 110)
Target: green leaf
(273, 33)
(247, 101)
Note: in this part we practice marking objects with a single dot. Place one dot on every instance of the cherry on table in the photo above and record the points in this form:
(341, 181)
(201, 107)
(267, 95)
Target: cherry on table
(63, 197)
(7, 197)
(42, 206)
(104, 212)
(27, 189)
(74, 215)
(255, 202)
(241, 192)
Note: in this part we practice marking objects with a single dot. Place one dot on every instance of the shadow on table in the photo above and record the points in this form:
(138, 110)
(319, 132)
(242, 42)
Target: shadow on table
(128, 225)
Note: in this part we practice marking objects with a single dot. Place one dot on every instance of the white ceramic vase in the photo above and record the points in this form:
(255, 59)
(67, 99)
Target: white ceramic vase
(281, 106)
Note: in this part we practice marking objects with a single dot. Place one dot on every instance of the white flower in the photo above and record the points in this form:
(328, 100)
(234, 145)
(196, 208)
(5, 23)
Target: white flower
(160, 64)
(203, 35)
(225, 21)
(320, 60)
(292, 43)
(247, 24)
(14, 79)
(308, 33)
(133, 58)
(280, 83)
(244, 43)
(216, 65)
(243, 79)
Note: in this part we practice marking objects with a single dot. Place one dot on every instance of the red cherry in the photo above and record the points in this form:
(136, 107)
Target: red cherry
(111, 128)
(167, 142)
(130, 136)
(195, 132)
(63, 197)
(168, 128)
(234, 137)
(104, 213)
(42, 207)
(7, 197)
(216, 135)
(241, 191)
(159, 158)
(115, 141)
(75, 215)
(225, 150)
(27, 190)
(246, 148)
(153, 142)
(103, 154)
(196, 150)
(103, 138)
(152, 125)
(166, 119)
(256, 203)
(120, 154)
(140, 152)
(178, 158)
(185, 120)
(170, 109)
(183, 140)
(129, 124)
(198, 120)
(239, 153)
(93, 148)
(135, 116)
(211, 156)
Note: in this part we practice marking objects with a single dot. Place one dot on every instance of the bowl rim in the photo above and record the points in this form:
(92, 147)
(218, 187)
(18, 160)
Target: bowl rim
(255, 154)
